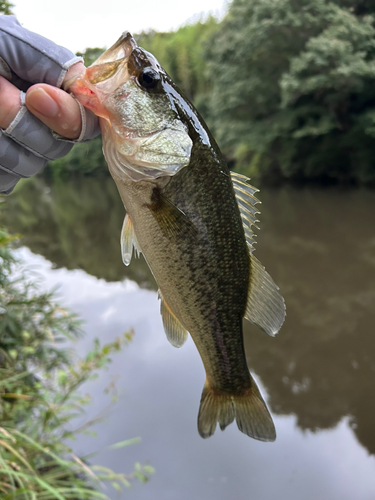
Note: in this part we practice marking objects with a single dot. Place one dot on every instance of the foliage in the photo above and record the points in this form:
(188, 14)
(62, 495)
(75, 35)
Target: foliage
(293, 89)
(84, 159)
(286, 86)
(6, 7)
(180, 53)
(39, 397)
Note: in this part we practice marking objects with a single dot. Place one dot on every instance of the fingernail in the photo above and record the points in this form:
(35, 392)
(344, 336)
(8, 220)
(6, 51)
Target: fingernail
(42, 102)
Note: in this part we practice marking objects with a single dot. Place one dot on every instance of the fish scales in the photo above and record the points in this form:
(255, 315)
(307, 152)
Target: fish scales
(212, 293)
(183, 215)
(206, 280)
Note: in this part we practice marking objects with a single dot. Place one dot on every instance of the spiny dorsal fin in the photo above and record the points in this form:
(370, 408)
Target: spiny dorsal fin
(246, 202)
(265, 306)
(128, 241)
(175, 332)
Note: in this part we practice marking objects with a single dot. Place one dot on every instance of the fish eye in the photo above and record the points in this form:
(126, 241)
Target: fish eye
(149, 79)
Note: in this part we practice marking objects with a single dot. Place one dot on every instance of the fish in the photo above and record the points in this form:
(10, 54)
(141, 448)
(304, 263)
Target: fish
(192, 219)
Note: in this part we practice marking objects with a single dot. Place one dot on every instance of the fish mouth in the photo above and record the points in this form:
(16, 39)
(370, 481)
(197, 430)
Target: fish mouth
(106, 73)
(87, 95)
(123, 61)
(120, 50)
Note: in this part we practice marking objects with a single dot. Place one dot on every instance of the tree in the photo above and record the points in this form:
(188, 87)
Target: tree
(91, 54)
(181, 55)
(293, 89)
(6, 7)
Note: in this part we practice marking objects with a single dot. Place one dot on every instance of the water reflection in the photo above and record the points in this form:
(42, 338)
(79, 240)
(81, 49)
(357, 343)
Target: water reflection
(75, 225)
(319, 245)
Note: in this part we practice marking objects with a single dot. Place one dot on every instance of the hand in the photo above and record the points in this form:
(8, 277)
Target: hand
(44, 123)
(54, 107)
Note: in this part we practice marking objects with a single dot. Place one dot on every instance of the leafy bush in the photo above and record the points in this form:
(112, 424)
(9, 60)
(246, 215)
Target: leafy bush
(84, 159)
(293, 89)
(6, 7)
(39, 397)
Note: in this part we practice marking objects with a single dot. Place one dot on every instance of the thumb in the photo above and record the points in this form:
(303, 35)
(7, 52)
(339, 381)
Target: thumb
(56, 109)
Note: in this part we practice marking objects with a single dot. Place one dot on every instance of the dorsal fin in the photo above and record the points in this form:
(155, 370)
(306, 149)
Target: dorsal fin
(246, 203)
(175, 332)
(128, 241)
(265, 306)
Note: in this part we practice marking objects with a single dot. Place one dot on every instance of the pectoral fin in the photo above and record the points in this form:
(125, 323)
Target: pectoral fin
(171, 220)
(176, 333)
(128, 241)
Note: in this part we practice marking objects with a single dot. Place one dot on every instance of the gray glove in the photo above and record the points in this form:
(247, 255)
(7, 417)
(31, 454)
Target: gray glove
(27, 144)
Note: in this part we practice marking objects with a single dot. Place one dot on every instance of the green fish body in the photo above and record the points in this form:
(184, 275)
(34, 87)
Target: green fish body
(191, 218)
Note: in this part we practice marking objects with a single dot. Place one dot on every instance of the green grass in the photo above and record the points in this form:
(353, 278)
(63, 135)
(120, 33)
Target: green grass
(40, 395)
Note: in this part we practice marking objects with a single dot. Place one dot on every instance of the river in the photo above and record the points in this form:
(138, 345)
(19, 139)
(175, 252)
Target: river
(318, 374)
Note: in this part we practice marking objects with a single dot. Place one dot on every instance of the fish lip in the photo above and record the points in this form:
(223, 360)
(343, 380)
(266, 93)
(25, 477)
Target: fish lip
(121, 49)
(126, 38)
(87, 95)
(92, 93)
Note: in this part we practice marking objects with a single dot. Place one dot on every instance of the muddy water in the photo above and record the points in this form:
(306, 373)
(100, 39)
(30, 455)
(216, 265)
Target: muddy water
(318, 374)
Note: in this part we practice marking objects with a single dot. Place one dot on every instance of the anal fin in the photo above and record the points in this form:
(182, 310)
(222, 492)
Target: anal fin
(265, 306)
(175, 332)
(128, 241)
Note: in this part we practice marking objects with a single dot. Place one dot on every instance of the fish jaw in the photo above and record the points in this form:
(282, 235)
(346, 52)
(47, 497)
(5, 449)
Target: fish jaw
(119, 51)
(100, 79)
(87, 95)
(144, 136)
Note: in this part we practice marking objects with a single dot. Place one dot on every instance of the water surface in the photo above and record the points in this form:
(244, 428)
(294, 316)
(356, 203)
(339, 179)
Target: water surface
(318, 374)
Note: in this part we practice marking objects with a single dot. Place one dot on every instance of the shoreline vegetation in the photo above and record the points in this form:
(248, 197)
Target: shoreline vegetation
(40, 390)
(287, 89)
(40, 397)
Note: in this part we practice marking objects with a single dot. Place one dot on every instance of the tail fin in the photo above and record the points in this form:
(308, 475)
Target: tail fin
(249, 410)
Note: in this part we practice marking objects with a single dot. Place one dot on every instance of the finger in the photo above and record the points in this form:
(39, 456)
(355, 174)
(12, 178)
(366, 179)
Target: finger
(75, 70)
(25, 147)
(56, 109)
(10, 102)
(90, 124)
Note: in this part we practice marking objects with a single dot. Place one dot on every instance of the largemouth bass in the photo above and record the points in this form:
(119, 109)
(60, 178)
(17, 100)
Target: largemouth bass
(192, 220)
